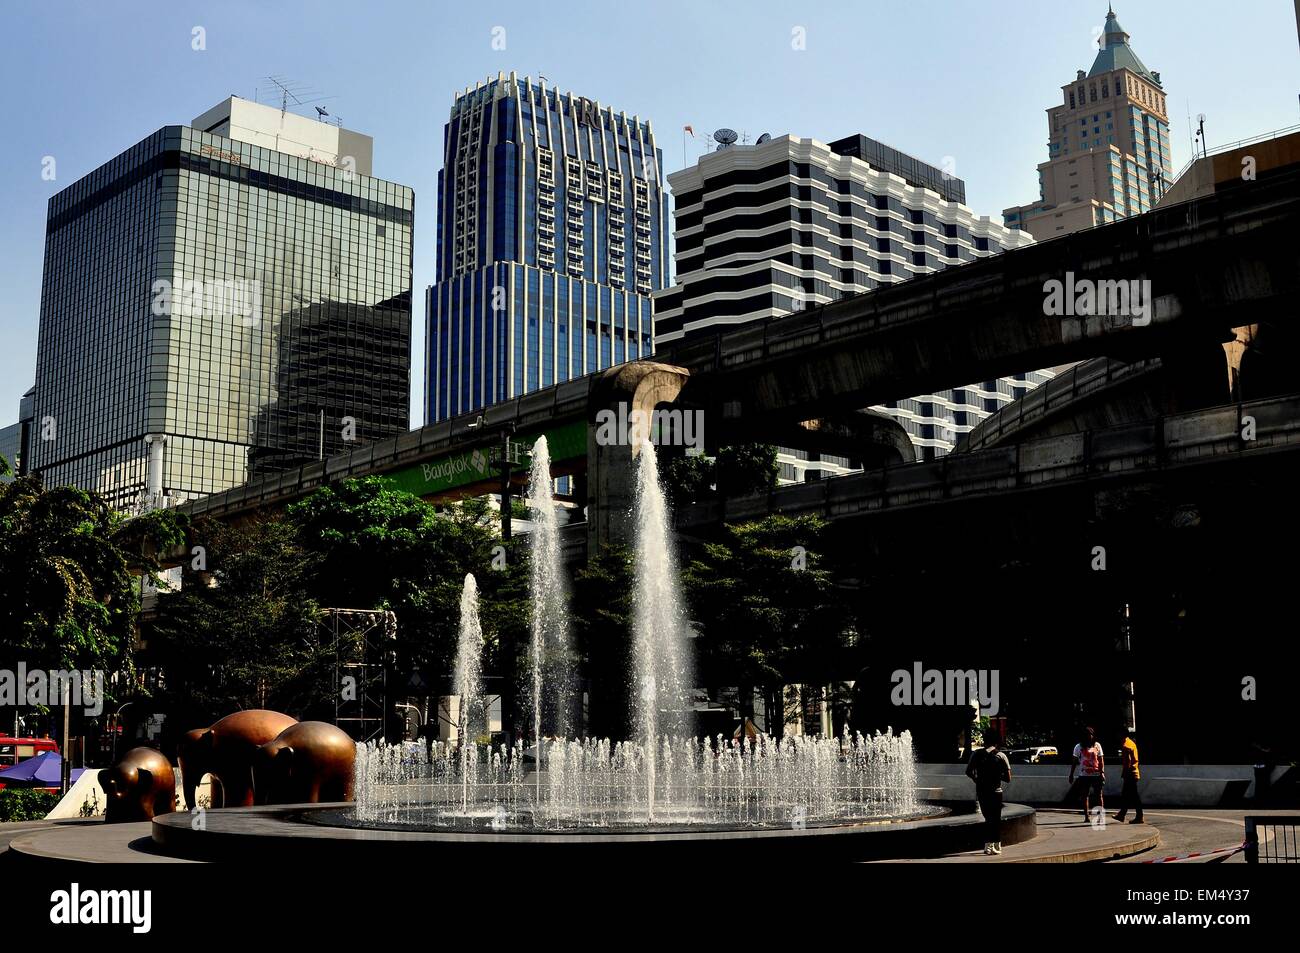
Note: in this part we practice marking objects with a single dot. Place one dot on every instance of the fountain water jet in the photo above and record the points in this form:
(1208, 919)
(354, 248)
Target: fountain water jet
(663, 779)
(658, 621)
(467, 680)
(548, 649)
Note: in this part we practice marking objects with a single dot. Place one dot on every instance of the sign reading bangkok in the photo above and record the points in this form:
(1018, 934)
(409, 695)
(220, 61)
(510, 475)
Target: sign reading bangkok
(469, 467)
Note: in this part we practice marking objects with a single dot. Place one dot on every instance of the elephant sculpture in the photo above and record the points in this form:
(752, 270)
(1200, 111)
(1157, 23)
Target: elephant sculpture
(307, 763)
(226, 752)
(139, 786)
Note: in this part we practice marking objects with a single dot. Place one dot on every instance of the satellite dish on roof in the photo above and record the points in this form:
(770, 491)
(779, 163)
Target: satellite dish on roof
(765, 137)
(725, 137)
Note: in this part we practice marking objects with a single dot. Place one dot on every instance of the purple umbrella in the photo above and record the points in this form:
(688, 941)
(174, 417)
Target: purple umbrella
(42, 771)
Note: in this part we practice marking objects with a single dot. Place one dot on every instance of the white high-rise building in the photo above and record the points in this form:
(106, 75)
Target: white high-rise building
(774, 228)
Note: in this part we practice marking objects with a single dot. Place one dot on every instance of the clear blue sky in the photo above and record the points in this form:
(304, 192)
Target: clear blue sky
(80, 81)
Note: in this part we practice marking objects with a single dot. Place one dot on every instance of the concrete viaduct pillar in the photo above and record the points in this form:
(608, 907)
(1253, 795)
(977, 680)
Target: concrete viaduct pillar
(611, 474)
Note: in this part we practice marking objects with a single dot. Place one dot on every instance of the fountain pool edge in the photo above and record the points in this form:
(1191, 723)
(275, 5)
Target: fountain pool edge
(283, 832)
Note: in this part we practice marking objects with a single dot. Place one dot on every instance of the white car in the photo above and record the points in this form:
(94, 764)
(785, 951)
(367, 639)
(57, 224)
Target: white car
(1035, 755)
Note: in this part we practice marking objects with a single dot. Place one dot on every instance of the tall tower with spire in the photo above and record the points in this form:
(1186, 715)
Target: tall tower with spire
(1108, 147)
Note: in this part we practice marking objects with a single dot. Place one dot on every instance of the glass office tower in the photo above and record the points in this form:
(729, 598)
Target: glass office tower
(552, 225)
(211, 308)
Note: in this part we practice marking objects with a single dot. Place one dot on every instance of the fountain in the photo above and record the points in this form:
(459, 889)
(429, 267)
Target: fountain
(659, 622)
(467, 679)
(663, 779)
(548, 644)
(853, 796)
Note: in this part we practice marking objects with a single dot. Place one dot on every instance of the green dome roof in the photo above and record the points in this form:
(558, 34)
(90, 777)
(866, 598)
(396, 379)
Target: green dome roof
(1117, 54)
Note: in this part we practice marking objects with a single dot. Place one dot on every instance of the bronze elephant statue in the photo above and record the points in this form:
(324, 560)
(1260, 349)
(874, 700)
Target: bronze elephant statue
(307, 763)
(139, 786)
(226, 751)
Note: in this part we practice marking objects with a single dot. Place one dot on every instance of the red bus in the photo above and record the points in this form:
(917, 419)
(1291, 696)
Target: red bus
(17, 750)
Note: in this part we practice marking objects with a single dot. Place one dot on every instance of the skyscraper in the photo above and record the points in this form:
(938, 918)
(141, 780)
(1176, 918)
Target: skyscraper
(551, 238)
(1108, 152)
(15, 440)
(210, 305)
(773, 228)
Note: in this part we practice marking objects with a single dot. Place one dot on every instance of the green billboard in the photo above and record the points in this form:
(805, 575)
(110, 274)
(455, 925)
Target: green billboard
(467, 467)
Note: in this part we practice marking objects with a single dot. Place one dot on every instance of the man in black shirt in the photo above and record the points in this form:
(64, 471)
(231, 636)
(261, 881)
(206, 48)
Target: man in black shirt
(989, 767)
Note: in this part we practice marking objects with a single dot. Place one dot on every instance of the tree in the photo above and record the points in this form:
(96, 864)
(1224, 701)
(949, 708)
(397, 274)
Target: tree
(69, 570)
(688, 478)
(737, 471)
(68, 595)
(766, 610)
(382, 548)
(241, 632)
(747, 469)
(602, 630)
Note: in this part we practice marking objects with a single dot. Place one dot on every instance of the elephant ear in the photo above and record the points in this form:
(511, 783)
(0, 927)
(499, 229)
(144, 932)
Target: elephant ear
(145, 777)
(106, 780)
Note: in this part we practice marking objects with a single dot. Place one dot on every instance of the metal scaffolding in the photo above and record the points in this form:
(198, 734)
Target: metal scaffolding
(362, 641)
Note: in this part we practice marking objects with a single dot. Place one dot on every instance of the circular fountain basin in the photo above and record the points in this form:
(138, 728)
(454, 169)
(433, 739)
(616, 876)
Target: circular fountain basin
(668, 820)
(303, 832)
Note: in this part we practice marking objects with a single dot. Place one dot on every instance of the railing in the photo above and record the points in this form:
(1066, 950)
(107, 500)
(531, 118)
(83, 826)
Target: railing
(1194, 438)
(1219, 150)
(1080, 380)
(1281, 847)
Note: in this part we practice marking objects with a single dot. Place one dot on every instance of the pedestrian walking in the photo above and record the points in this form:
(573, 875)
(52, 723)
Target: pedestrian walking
(1090, 763)
(1131, 771)
(989, 767)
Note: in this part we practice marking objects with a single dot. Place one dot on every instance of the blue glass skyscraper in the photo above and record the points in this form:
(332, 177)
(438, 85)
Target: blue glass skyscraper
(552, 236)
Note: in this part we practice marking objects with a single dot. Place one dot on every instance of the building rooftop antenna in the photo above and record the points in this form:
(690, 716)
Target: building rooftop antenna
(299, 94)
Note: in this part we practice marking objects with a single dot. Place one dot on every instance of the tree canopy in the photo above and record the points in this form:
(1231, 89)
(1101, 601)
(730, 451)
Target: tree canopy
(243, 626)
(765, 606)
(68, 576)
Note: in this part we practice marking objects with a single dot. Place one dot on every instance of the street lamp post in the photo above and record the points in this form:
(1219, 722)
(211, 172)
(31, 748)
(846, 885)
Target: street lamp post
(505, 464)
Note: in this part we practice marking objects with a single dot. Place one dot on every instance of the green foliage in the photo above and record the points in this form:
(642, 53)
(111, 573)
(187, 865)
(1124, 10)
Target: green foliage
(737, 471)
(688, 479)
(747, 469)
(26, 804)
(602, 633)
(5, 468)
(250, 640)
(768, 613)
(382, 548)
(67, 593)
(157, 530)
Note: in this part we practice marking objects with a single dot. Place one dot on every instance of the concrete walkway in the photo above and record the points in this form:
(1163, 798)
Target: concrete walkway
(1188, 830)
(1063, 838)
(85, 842)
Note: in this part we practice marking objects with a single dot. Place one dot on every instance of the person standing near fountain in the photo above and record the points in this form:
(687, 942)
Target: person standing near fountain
(1090, 762)
(989, 767)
